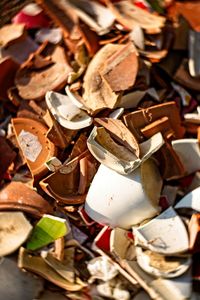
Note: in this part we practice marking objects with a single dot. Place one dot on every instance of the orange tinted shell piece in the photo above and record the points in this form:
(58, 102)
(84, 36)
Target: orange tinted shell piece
(37, 167)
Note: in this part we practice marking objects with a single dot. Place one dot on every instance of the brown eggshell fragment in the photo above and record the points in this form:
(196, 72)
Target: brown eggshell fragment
(121, 133)
(8, 69)
(140, 118)
(97, 93)
(34, 81)
(187, 10)
(11, 33)
(130, 15)
(171, 166)
(14, 231)
(68, 185)
(7, 155)
(123, 62)
(17, 196)
(36, 147)
(161, 125)
(194, 233)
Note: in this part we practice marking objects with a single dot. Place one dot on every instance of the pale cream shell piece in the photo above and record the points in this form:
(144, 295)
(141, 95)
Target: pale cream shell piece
(95, 15)
(190, 201)
(66, 113)
(123, 166)
(124, 200)
(188, 151)
(14, 231)
(74, 99)
(144, 261)
(166, 234)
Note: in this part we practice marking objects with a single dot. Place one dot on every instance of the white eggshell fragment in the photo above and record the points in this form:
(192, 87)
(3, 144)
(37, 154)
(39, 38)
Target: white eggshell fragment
(66, 113)
(124, 200)
(190, 201)
(165, 234)
(189, 153)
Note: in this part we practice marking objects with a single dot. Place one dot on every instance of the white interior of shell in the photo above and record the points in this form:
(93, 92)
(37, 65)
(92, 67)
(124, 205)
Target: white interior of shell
(74, 99)
(189, 153)
(123, 200)
(66, 113)
(191, 200)
(160, 234)
(123, 166)
(175, 270)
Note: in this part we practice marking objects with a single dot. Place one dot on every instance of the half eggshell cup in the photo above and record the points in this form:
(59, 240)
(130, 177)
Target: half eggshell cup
(162, 266)
(188, 151)
(124, 200)
(18, 196)
(166, 234)
(66, 112)
(122, 160)
(36, 147)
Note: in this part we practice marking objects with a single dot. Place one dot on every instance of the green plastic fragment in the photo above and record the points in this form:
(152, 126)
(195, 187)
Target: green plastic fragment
(46, 231)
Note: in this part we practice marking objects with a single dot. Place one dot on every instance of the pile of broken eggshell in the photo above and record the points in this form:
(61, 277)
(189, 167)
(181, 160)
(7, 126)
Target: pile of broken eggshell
(99, 150)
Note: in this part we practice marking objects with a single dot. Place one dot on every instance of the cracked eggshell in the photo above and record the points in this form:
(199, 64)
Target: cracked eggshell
(190, 201)
(18, 196)
(124, 200)
(189, 153)
(66, 113)
(33, 83)
(14, 231)
(36, 147)
(119, 160)
(162, 266)
(160, 234)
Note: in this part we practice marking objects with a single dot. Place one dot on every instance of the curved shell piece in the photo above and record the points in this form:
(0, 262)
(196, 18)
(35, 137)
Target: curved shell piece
(160, 234)
(188, 151)
(191, 200)
(123, 200)
(33, 82)
(122, 160)
(18, 196)
(162, 266)
(36, 147)
(66, 113)
(15, 230)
